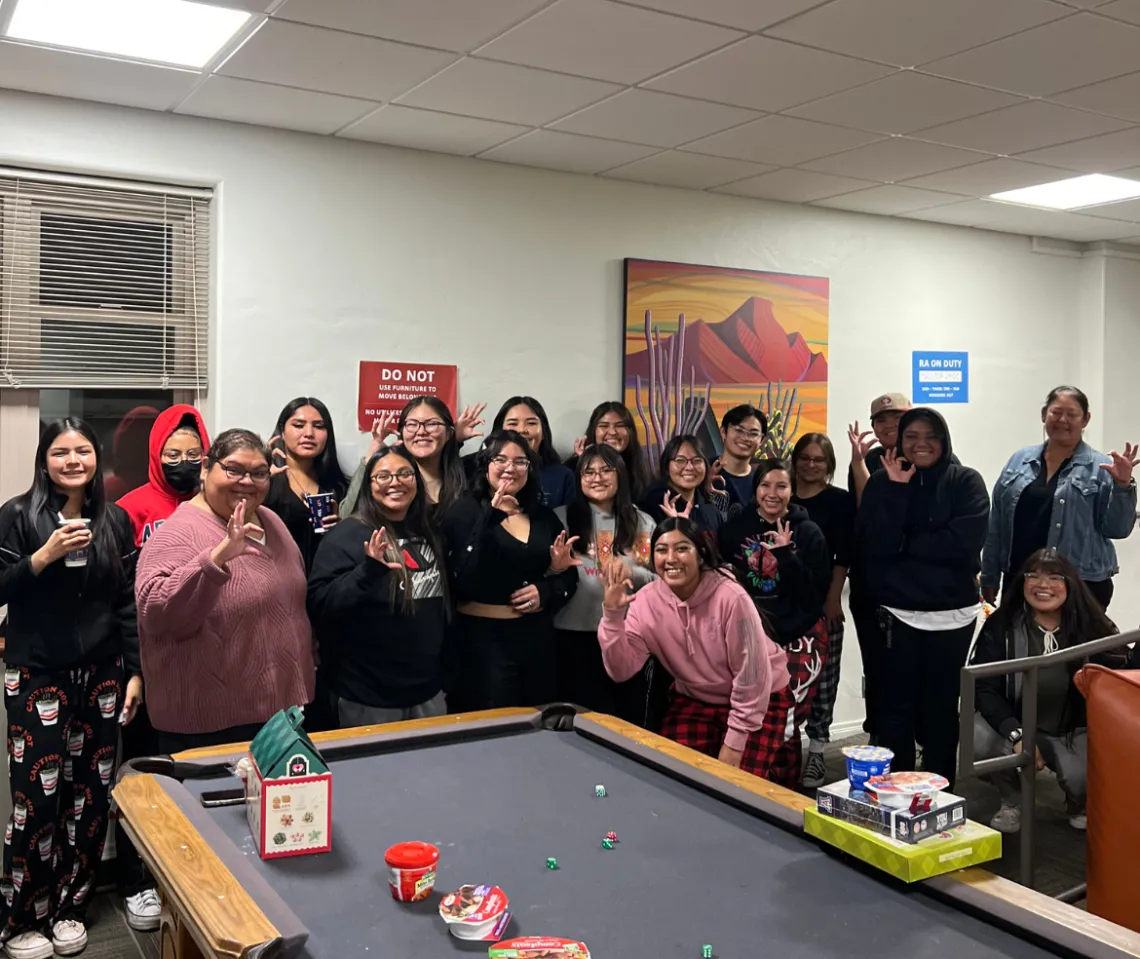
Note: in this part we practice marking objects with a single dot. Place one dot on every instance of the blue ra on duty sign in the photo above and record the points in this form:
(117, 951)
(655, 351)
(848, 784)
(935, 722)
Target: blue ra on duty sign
(941, 377)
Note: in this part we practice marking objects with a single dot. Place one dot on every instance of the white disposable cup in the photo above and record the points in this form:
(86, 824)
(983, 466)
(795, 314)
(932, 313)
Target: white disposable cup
(77, 557)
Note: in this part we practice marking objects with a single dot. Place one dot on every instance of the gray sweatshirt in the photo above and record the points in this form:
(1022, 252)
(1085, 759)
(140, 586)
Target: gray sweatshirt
(584, 611)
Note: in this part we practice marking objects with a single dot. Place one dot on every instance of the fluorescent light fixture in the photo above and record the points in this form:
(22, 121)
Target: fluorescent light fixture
(177, 32)
(1074, 194)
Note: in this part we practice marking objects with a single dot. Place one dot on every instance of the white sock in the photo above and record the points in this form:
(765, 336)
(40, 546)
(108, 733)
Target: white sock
(815, 746)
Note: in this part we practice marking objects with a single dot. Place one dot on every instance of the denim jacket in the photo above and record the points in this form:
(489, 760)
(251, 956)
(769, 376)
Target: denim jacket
(1089, 510)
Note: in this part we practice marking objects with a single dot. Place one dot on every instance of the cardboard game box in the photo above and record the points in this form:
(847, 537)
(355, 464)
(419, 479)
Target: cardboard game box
(840, 801)
(288, 791)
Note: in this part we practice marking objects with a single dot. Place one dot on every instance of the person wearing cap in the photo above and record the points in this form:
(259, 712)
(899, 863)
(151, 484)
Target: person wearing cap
(919, 534)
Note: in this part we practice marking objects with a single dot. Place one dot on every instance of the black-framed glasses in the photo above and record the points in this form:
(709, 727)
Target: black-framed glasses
(601, 472)
(682, 461)
(237, 474)
(813, 460)
(405, 475)
(431, 427)
(522, 464)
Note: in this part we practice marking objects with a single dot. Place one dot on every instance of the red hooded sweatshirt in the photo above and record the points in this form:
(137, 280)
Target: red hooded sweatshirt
(151, 504)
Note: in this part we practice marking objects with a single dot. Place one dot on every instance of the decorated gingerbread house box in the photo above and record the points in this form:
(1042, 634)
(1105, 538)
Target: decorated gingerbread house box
(288, 790)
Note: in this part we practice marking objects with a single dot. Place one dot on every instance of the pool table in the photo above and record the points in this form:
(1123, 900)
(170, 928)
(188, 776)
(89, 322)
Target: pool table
(706, 854)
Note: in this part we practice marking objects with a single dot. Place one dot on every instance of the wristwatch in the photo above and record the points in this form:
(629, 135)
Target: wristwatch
(1015, 736)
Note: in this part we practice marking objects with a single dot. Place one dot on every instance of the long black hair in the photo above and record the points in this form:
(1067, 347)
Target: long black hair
(546, 454)
(452, 480)
(579, 516)
(530, 495)
(105, 549)
(633, 456)
(329, 474)
(417, 525)
(672, 448)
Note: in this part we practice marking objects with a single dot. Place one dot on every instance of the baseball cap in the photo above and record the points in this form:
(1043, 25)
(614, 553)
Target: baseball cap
(890, 403)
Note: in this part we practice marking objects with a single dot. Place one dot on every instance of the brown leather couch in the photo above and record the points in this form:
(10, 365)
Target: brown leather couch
(1113, 793)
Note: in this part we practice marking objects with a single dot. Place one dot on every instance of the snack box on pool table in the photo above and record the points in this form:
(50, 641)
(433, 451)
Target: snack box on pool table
(855, 806)
(288, 790)
(965, 845)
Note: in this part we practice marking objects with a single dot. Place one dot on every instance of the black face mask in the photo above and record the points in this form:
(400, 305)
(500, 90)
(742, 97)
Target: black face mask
(183, 477)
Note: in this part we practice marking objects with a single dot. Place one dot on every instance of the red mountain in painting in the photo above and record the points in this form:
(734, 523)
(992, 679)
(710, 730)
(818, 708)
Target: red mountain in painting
(749, 346)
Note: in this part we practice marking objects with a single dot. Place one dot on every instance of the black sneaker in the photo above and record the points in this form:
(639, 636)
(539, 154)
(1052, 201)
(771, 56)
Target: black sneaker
(815, 771)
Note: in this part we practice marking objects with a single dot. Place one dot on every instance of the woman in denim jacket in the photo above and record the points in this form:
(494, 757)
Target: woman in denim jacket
(1065, 495)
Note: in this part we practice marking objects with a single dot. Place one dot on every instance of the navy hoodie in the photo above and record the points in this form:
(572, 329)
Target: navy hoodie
(920, 543)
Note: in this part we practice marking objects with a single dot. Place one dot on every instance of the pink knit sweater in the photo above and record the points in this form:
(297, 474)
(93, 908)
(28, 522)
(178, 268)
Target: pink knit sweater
(221, 648)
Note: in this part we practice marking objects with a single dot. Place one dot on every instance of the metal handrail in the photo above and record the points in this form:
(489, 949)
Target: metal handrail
(1025, 760)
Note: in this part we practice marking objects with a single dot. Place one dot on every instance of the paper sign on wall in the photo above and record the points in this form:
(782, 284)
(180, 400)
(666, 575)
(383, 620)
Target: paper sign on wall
(388, 386)
(941, 377)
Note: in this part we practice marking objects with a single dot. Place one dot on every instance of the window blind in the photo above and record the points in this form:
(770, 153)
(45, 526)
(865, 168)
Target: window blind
(103, 283)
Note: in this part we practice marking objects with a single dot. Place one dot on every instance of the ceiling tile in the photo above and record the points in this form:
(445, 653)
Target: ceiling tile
(501, 91)
(1119, 97)
(747, 15)
(910, 32)
(63, 74)
(966, 213)
(1011, 218)
(768, 75)
(887, 200)
(893, 159)
(1103, 154)
(904, 102)
(988, 177)
(1128, 211)
(427, 130)
(793, 186)
(447, 24)
(332, 62)
(660, 119)
(567, 151)
(1126, 10)
(1026, 126)
(1058, 56)
(608, 41)
(245, 101)
(784, 141)
(1084, 4)
(253, 6)
(686, 170)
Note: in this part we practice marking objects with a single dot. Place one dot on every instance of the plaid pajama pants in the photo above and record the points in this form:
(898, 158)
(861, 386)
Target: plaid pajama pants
(702, 726)
(807, 658)
(818, 725)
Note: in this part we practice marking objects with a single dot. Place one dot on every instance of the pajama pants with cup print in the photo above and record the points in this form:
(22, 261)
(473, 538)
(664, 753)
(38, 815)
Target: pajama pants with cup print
(62, 734)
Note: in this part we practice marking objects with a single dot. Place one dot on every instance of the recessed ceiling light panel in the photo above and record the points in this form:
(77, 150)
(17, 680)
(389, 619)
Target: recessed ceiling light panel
(1075, 193)
(164, 31)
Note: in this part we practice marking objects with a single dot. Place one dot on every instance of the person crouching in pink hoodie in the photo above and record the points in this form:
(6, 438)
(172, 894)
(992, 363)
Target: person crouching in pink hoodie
(731, 697)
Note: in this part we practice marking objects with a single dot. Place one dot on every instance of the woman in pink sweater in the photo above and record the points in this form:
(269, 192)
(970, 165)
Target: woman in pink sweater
(730, 698)
(224, 637)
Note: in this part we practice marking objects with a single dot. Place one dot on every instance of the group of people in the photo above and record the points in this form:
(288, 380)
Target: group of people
(702, 599)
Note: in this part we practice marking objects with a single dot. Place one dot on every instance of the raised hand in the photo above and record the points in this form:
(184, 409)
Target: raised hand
(669, 506)
(381, 548)
(580, 444)
(1122, 465)
(562, 553)
(893, 464)
(235, 543)
(861, 443)
(781, 536)
(277, 461)
(467, 423)
(504, 501)
(618, 586)
(714, 482)
(382, 426)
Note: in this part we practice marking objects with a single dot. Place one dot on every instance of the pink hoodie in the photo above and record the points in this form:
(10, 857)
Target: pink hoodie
(714, 645)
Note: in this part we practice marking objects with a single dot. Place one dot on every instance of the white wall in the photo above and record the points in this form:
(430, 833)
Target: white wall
(332, 251)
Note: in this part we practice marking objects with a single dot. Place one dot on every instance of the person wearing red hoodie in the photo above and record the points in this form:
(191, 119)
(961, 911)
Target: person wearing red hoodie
(177, 440)
(730, 698)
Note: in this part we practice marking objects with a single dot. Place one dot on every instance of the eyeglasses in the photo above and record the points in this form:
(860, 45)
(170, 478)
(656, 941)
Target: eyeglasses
(431, 427)
(814, 460)
(682, 461)
(173, 457)
(403, 475)
(602, 472)
(747, 434)
(522, 464)
(1053, 579)
(237, 474)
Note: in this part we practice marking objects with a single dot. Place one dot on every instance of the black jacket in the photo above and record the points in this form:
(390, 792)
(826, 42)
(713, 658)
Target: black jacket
(66, 616)
(372, 652)
(789, 583)
(919, 544)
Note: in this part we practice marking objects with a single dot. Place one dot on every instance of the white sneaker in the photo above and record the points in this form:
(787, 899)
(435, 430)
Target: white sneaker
(69, 937)
(1079, 821)
(29, 945)
(144, 910)
(1007, 819)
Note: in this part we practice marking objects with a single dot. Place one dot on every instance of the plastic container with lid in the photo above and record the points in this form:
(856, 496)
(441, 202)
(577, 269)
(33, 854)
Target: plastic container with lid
(476, 912)
(863, 762)
(411, 870)
(906, 790)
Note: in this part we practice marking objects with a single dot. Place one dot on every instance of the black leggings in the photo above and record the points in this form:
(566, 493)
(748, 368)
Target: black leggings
(505, 662)
(583, 680)
(1102, 591)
